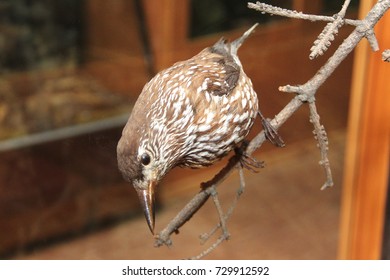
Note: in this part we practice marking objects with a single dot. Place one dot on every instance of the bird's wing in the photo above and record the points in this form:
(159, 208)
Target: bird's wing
(227, 80)
(214, 73)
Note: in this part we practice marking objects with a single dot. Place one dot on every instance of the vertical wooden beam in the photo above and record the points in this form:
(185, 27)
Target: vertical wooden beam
(367, 150)
(167, 23)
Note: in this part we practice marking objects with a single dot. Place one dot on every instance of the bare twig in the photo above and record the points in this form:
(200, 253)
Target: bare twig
(163, 238)
(323, 41)
(205, 236)
(222, 218)
(331, 29)
(221, 215)
(320, 135)
(327, 35)
(386, 55)
(325, 38)
(306, 93)
(344, 8)
(266, 8)
(210, 249)
(371, 38)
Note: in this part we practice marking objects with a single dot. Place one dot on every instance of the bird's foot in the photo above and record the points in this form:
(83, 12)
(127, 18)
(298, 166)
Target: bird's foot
(270, 132)
(251, 163)
(247, 161)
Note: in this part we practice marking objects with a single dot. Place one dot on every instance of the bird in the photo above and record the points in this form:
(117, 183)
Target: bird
(191, 114)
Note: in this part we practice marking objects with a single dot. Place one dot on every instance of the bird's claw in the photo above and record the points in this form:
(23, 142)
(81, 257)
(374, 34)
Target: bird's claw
(270, 132)
(251, 163)
(247, 161)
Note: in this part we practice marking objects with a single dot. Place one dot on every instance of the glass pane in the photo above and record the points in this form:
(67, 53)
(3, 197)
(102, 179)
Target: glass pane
(208, 17)
(69, 72)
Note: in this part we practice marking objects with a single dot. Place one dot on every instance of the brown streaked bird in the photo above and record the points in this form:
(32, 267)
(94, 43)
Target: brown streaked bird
(189, 115)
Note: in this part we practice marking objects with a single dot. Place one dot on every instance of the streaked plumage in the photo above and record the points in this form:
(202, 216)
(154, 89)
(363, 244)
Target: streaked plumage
(189, 115)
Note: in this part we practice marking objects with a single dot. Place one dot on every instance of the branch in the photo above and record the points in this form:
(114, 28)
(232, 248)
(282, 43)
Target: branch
(320, 136)
(323, 42)
(371, 38)
(331, 29)
(266, 8)
(386, 56)
(305, 93)
(327, 35)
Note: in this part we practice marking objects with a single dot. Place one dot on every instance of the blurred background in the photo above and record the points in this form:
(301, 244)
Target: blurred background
(70, 72)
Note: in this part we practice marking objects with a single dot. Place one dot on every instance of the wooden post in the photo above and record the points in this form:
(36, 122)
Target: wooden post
(167, 23)
(367, 150)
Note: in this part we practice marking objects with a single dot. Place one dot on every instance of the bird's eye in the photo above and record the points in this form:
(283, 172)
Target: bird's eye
(145, 159)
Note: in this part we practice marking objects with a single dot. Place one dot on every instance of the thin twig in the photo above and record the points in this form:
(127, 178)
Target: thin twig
(371, 38)
(221, 215)
(209, 249)
(163, 238)
(273, 10)
(326, 37)
(324, 40)
(205, 236)
(223, 237)
(344, 8)
(386, 55)
(320, 135)
(331, 29)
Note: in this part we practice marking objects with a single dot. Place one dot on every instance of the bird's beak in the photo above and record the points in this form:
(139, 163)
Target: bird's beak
(146, 198)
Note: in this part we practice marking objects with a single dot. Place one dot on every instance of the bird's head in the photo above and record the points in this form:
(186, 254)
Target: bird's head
(141, 163)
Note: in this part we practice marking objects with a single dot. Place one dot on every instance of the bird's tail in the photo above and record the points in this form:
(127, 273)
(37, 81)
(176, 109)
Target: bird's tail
(236, 44)
(226, 48)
